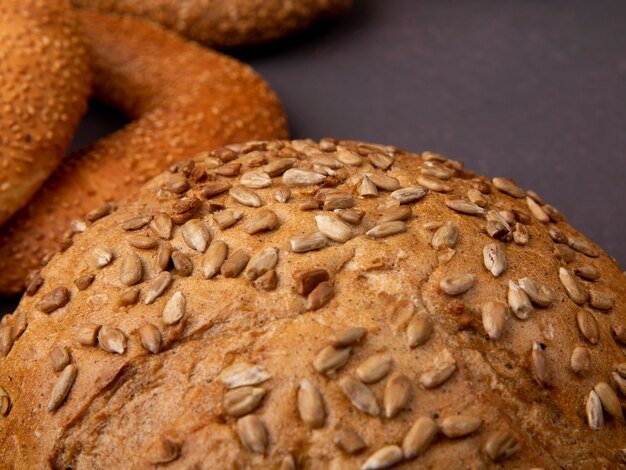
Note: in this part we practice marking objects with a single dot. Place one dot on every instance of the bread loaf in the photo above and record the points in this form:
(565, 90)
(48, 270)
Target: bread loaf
(320, 305)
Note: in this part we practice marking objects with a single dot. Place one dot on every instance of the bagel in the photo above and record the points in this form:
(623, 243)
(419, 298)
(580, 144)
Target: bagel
(225, 23)
(44, 85)
(182, 99)
(343, 306)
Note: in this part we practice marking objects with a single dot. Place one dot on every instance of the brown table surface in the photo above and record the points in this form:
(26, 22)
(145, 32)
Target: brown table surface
(535, 90)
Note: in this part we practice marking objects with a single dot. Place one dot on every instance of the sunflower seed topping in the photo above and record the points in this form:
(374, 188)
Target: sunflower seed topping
(334, 228)
(311, 405)
(5, 402)
(347, 157)
(142, 242)
(263, 261)
(386, 229)
(298, 177)
(59, 358)
(320, 296)
(349, 441)
(380, 161)
(464, 207)
(235, 263)
(182, 264)
(6, 339)
(361, 397)
(196, 235)
(601, 300)
(245, 196)
(164, 255)
(87, 335)
(384, 457)
(508, 186)
(243, 400)
(459, 425)
(437, 170)
(501, 445)
(242, 374)
(374, 368)
(252, 434)
(610, 402)
(434, 184)
(54, 300)
(330, 359)
(214, 188)
(150, 337)
(396, 395)
(620, 382)
(435, 378)
(255, 180)
(495, 316)
(419, 437)
(587, 272)
(384, 182)
(582, 246)
(494, 258)
(162, 225)
(588, 326)
(84, 281)
(308, 280)
(539, 364)
(157, 287)
(137, 223)
(537, 211)
(174, 309)
(338, 200)
(419, 330)
(62, 387)
(580, 360)
(367, 187)
(539, 293)
(101, 255)
(476, 197)
(112, 340)
(457, 284)
(520, 234)
(593, 409)
(309, 242)
(392, 214)
(445, 236)
(409, 194)
(519, 301)
(100, 212)
(574, 289)
(278, 167)
(348, 337)
(131, 269)
(262, 221)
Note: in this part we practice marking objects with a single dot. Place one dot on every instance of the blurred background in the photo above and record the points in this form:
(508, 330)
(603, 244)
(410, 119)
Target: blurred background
(534, 90)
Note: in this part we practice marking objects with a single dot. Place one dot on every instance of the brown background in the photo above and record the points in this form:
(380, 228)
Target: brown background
(531, 89)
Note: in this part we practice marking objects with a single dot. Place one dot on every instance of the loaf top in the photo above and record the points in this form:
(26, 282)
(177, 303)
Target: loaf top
(292, 304)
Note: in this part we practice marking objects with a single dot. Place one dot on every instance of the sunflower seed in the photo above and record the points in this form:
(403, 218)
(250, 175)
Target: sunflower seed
(494, 258)
(520, 234)
(593, 409)
(409, 194)
(112, 340)
(174, 309)
(100, 212)
(227, 218)
(142, 242)
(229, 169)
(308, 280)
(464, 207)
(582, 246)
(374, 368)
(537, 211)
(497, 230)
(495, 315)
(435, 378)
(242, 374)
(386, 229)
(620, 382)
(367, 187)
(214, 188)
(621, 369)
(393, 214)
(384, 457)
(348, 337)
(177, 184)
(610, 402)
(436, 169)
(338, 201)
(54, 300)
(255, 180)
(456, 284)
(519, 301)
(101, 255)
(243, 400)
(157, 286)
(501, 445)
(261, 221)
(298, 177)
(588, 326)
(580, 360)
(235, 263)
(196, 235)
(62, 387)
(278, 167)
(419, 330)
(309, 204)
(360, 396)
(5, 402)
(309, 242)
(252, 434)
(131, 269)
(136, 223)
(6, 339)
(182, 264)
(323, 160)
(556, 234)
(267, 282)
(445, 236)
(564, 253)
(574, 289)
(349, 441)
(587, 272)
(476, 197)
(263, 261)
(419, 437)
(330, 359)
(539, 363)
(245, 196)
(84, 281)
(34, 284)
(619, 334)
(59, 358)
(459, 425)
(539, 293)
(434, 184)
(320, 296)
(87, 335)
(508, 186)
(396, 395)
(334, 228)
(347, 157)
(282, 195)
(384, 182)
(161, 226)
(311, 405)
(380, 161)
(150, 337)
(601, 300)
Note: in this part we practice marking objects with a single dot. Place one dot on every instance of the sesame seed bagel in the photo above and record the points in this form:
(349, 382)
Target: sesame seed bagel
(182, 99)
(225, 24)
(321, 305)
(44, 85)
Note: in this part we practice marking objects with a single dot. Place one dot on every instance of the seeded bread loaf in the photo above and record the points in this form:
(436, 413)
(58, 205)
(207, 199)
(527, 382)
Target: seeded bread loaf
(320, 305)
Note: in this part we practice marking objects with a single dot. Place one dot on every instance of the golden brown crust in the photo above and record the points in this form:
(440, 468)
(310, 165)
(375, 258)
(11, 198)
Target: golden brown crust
(225, 23)
(184, 99)
(44, 85)
(439, 323)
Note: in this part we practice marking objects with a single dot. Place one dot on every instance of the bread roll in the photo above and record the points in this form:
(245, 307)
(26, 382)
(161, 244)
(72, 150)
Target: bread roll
(320, 305)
